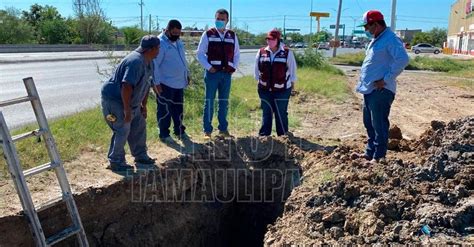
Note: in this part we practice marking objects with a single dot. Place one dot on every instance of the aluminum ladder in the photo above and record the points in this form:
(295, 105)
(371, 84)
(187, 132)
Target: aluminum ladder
(18, 175)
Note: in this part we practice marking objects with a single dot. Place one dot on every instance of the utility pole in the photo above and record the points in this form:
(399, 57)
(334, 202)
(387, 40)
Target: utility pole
(311, 20)
(230, 17)
(149, 25)
(284, 28)
(336, 39)
(157, 24)
(311, 26)
(141, 13)
(393, 17)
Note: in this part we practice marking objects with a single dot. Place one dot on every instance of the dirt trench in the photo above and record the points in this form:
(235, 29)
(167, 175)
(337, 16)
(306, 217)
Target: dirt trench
(225, 194)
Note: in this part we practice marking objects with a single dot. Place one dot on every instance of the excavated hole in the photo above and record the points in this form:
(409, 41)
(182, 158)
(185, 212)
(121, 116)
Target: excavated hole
(225, 194)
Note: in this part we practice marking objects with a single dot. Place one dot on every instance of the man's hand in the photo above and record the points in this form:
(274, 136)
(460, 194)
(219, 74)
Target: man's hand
(157, 89)
(212, 70)
(127, 115)
(144, 111)
(379, 84)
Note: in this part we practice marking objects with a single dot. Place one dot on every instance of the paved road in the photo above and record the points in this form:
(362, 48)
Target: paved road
(69, 85)
(64, 87)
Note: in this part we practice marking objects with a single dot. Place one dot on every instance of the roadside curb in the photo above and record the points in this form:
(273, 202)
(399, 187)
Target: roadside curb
(55, 59)
(39, 60)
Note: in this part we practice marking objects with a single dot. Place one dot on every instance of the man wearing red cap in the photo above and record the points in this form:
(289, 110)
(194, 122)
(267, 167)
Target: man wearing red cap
(385, 59)
(275, 72)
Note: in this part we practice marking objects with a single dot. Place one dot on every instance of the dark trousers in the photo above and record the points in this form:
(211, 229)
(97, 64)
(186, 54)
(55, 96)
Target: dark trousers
(170, 106)
(376, 111)
(274, 103)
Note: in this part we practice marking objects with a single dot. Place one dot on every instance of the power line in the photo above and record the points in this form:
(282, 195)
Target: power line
(141, 13)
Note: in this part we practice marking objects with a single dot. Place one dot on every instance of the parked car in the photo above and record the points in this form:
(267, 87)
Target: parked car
(357, 44)
(300, 45)
(323, 45)
(424, 47)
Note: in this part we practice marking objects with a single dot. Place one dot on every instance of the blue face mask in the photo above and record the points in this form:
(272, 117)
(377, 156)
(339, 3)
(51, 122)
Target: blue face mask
(369, 35)
(220, 24)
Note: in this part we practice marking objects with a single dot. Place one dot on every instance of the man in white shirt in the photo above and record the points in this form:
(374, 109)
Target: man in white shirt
(218, 52)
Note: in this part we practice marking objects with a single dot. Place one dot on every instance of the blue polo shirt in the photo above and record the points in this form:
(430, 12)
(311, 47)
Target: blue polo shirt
(171, 67)
(385, 58)
(133, 71)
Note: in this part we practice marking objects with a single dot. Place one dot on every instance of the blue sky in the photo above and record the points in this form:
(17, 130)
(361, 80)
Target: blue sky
(262, 15)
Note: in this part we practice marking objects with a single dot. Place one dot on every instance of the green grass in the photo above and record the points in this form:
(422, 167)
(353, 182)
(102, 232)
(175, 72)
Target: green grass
(455, 67)
(330, 85)
(452, 66)
(87, 131)
(354, 59)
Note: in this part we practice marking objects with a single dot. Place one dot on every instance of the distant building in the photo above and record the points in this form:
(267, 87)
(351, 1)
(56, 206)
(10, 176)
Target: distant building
(407, 35)
(461, 28)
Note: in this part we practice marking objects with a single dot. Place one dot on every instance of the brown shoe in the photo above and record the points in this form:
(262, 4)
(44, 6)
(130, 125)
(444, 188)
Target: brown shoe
(207, 136)
(225, 134)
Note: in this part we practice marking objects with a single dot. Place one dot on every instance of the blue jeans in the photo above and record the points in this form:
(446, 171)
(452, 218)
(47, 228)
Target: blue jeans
(376, 111)
(274, 103)
(133, 132)
(216, 82)
(170, 106)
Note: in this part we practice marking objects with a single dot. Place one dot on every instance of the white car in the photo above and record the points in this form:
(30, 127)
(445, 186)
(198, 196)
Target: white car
(323, 45)
(426, 48)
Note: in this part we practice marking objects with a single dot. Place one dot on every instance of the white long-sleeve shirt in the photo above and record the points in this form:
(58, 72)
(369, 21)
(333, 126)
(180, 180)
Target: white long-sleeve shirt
(202, 50)
(290, 62)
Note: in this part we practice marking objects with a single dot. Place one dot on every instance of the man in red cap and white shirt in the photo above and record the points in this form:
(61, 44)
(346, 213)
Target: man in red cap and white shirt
(275, 72)
(385, 59)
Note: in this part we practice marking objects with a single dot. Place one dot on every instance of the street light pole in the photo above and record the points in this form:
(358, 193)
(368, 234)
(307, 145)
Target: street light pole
(230, 17)
(394, 10)
(336, 43)
(310, 40)
(311, 20)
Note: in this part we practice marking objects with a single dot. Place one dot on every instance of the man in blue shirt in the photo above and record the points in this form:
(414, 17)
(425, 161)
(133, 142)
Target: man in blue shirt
(124, 98)
(171, 76)
(385, 59)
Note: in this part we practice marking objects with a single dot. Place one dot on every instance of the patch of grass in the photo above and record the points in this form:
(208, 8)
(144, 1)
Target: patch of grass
(353, 59)
(440, 64)
(455, 67)
(330, 84)
(87, 130)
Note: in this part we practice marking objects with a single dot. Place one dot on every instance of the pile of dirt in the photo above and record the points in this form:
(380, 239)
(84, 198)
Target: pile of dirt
(422, 196)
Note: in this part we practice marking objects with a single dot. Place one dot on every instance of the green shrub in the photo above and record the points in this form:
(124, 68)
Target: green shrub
(310, 58)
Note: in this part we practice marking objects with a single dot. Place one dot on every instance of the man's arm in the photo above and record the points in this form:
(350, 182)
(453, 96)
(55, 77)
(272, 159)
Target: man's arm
(291, 63)
(157, 75)
(400, 60)
(143, 106)
(201, 52)
(126, 93)
(256, 69)
(236, 53)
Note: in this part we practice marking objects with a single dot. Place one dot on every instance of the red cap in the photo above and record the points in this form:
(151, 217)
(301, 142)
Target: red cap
(371, 16)
(274, 34)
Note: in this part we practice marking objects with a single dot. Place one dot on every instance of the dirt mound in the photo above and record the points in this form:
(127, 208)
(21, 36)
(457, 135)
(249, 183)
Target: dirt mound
(424, 196)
